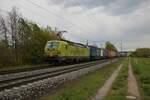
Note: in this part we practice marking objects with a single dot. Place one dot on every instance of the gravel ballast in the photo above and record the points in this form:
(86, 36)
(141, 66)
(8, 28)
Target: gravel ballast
(32, 91)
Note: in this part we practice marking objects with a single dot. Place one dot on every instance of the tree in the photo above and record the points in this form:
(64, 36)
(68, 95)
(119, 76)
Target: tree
(3, 30)
(26, 40)
(13, 20)
(109, 46)
(142, 52)
(6, 58)
(4, 48)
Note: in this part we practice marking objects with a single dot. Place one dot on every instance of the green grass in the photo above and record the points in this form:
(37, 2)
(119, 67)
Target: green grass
(142, 71)
(13, 69)
(119, 87)
(85, 87)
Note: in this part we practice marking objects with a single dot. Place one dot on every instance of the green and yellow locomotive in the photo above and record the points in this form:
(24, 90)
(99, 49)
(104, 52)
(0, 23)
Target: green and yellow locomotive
(65, 51)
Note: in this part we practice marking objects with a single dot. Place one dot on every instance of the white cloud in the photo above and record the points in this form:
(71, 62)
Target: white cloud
(100, 21)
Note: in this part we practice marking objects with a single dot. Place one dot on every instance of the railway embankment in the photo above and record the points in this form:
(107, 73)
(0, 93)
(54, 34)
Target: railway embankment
(84, 87)
(41, 87)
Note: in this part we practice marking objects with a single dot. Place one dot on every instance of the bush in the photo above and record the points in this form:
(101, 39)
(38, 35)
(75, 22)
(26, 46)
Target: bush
(26, 41)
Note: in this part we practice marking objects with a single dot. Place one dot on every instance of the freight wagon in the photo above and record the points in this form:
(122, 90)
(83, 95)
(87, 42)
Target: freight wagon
(97, 53)
(112, 54)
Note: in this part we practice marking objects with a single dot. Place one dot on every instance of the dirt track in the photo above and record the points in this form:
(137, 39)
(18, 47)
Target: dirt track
(102, 92)
(133, 91)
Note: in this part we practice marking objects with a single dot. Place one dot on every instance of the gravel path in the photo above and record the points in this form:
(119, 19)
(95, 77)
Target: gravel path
(133, 91)
(102, 92)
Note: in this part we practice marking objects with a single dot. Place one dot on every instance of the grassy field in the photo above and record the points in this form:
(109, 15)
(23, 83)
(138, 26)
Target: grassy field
(141, 67)
(85, 87)
(119, 88)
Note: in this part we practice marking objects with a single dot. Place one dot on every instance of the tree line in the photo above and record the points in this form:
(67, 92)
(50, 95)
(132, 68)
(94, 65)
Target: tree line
(141, 52)
(22, 41)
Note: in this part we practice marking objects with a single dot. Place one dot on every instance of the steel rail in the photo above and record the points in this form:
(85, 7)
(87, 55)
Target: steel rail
(28, 78)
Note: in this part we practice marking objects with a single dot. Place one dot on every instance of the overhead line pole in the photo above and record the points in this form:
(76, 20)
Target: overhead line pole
(121, 45)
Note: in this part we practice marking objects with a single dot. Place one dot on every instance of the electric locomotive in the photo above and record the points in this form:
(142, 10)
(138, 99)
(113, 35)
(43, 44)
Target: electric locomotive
(64, 51)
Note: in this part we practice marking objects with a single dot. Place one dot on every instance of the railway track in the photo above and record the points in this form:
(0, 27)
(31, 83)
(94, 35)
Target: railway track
(8, 81)
(35, 67)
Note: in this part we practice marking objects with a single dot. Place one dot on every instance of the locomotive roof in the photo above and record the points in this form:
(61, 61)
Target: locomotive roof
(72, 43)
(95, 46)
(79, 44)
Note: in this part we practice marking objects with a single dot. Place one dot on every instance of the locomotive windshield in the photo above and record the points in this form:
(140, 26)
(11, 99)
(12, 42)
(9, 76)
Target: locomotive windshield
(52, 45)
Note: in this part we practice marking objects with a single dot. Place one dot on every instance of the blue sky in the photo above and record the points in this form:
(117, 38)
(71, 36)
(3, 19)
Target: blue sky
(94, 20)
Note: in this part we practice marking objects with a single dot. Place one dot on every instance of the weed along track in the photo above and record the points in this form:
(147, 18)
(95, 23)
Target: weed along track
(31, 86)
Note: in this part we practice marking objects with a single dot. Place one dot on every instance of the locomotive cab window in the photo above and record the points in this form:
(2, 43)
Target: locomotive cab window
(53, 45)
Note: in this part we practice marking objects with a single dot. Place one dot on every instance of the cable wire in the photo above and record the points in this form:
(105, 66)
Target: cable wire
(50, 12)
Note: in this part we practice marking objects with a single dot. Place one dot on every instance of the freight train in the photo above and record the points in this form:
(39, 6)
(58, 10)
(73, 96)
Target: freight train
(58, 51)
